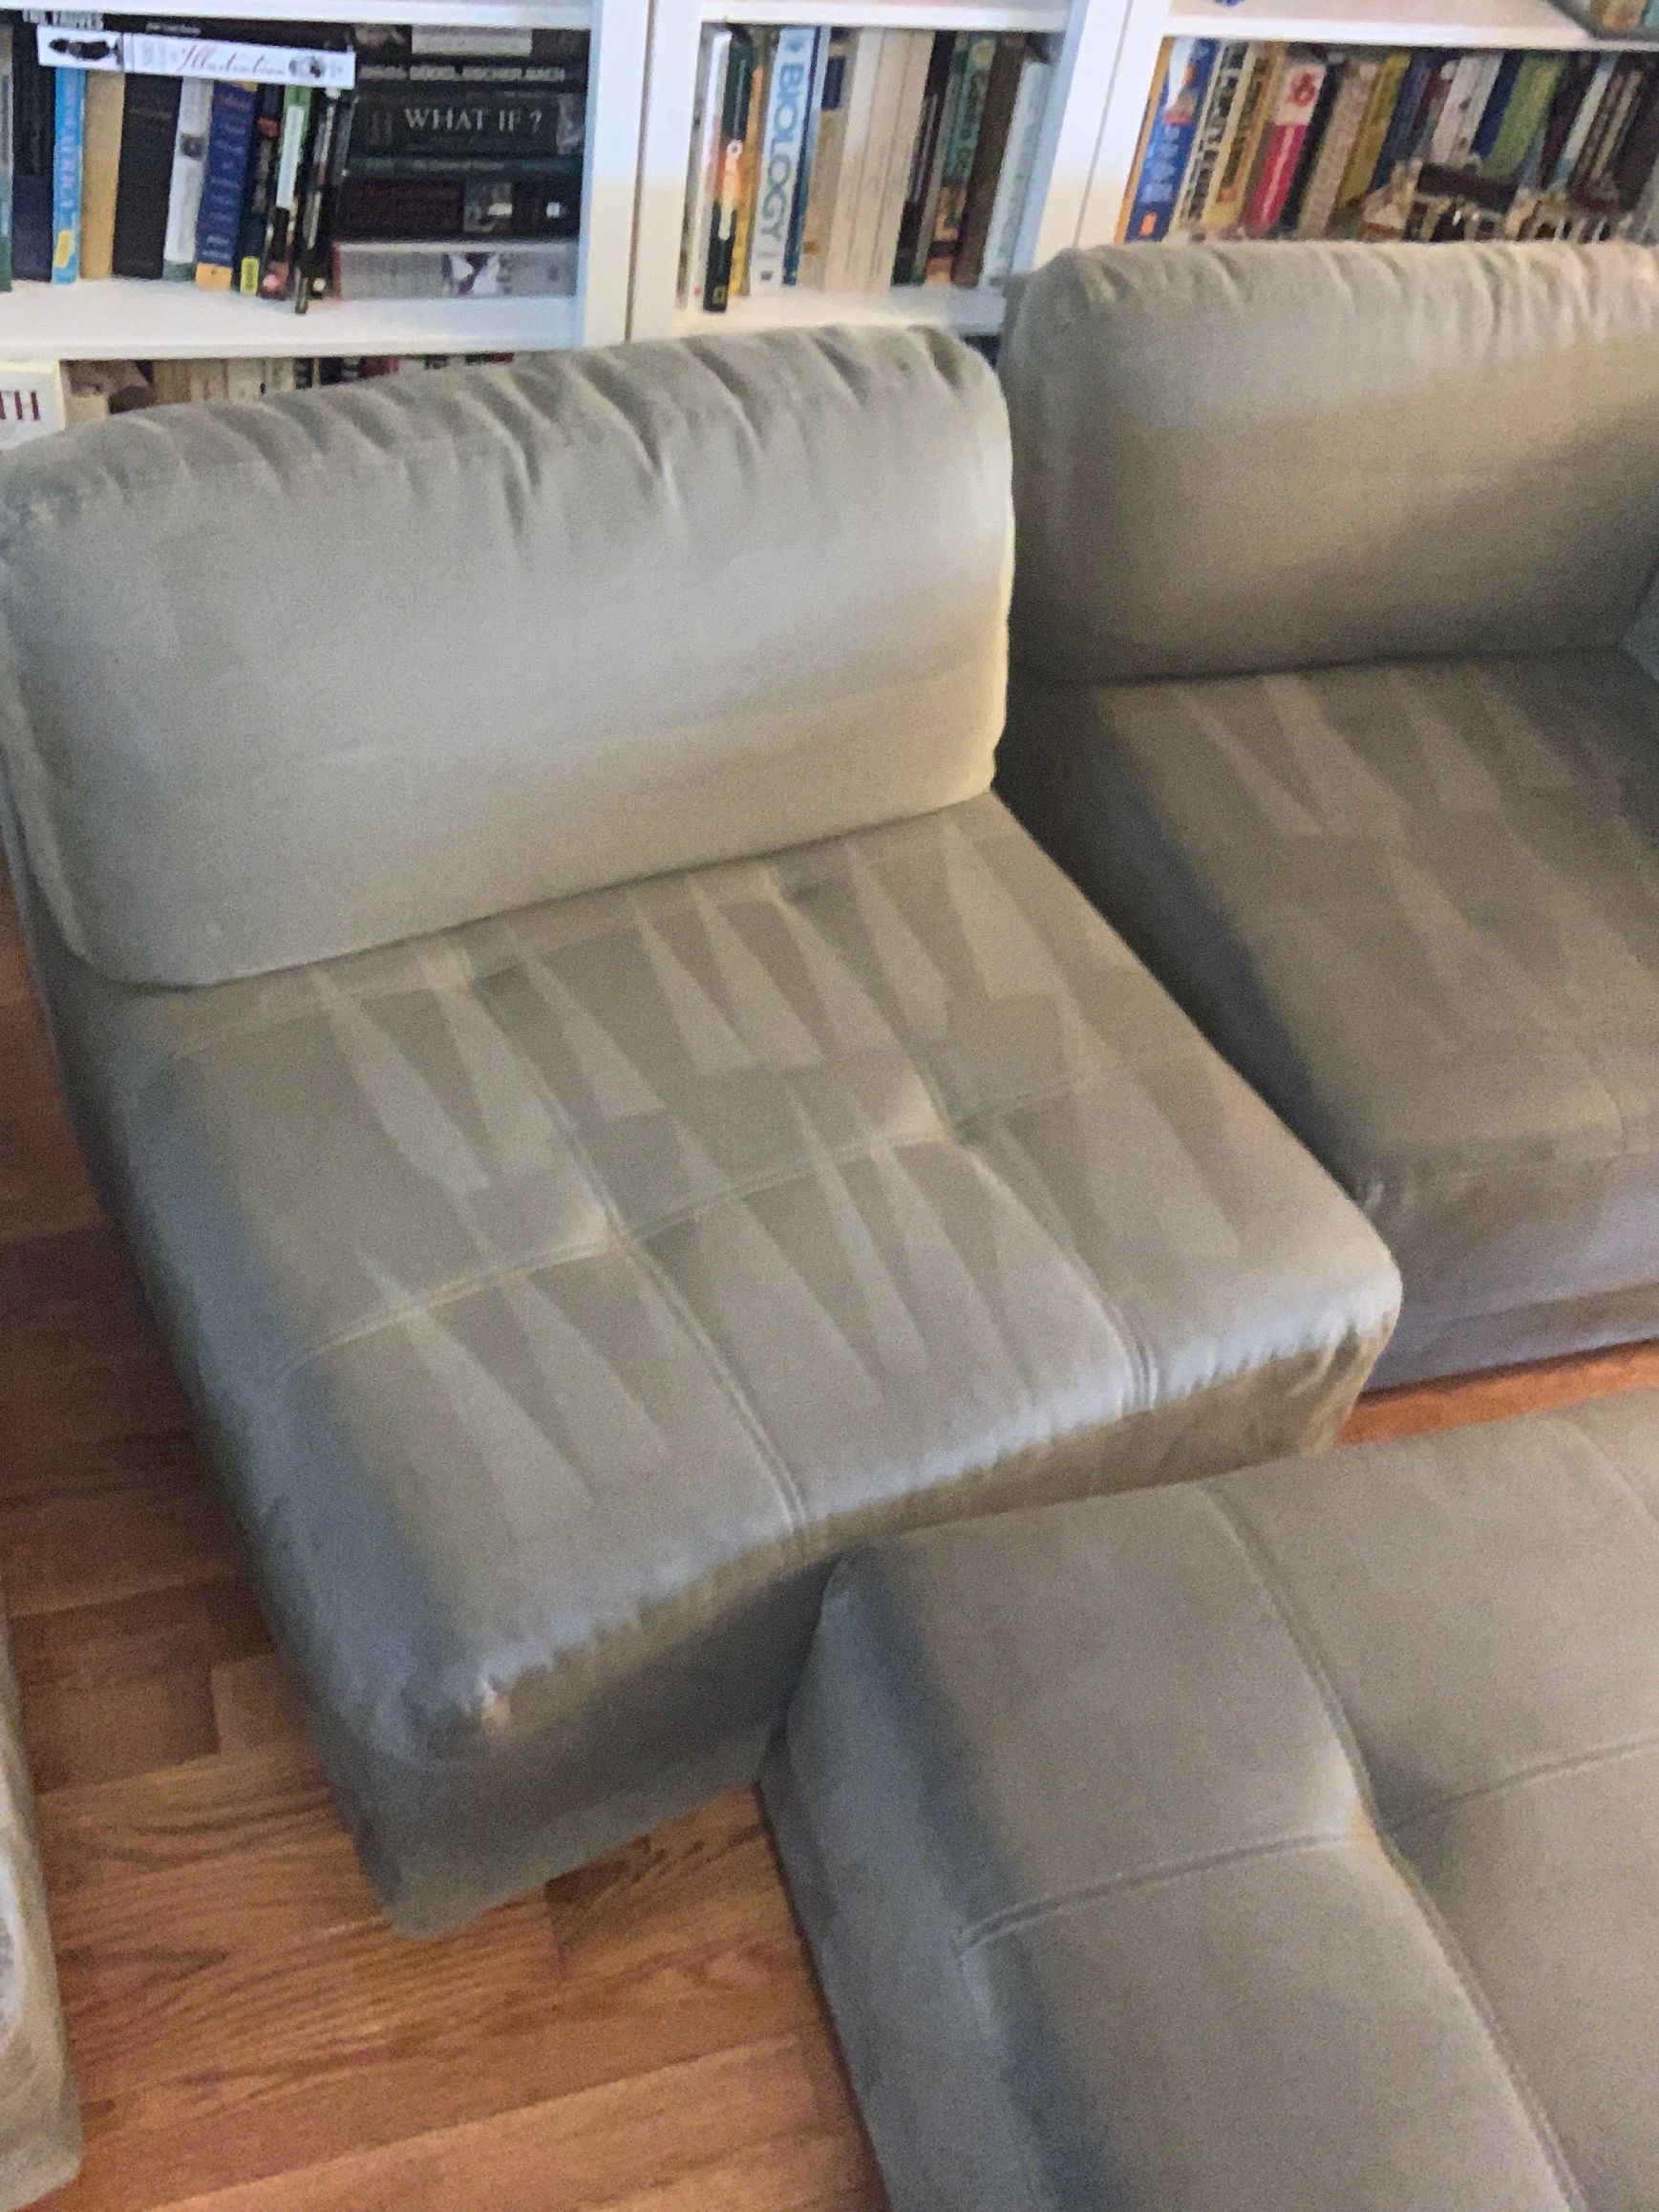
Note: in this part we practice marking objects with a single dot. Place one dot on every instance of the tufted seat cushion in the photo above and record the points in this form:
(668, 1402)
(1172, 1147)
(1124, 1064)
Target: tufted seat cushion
(1286, 1840)
(562, 1290)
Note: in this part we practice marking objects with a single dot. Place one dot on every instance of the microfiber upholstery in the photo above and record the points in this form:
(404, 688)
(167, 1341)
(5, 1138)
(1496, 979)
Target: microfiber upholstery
(562, 1292)
(1370, 772)
(1282, 1840)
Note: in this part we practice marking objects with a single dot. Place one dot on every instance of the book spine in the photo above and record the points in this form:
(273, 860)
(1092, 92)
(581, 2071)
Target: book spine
(723, 215)
(1298, 97)
(1002, 89)
(7, 130)
(149, 126)
(704, 157)
(873, 176)
(256, 204)
(1224, 209)
(749, 165)
(823, 179)
(1018, 166)
(69, 145)
(1336, 147)
(1639, 153)
(909, 258)
(309, 216)
(175, 54)
(33, 113)
(1497, 107)
(1455, 109)
(502, 121)
(366, 270)
(1583, 119)
(1226, 82)
(1403, 122)
(915, 52)
(279, 239)
(106, 100)
(808, 155)
(1373, 135)
(1524, 118)
(189, 170)
(783, 136)
(1483, 81)
(957, 172)
(219, 220)
(857, 102)
(1179, 97)
(1330, 92)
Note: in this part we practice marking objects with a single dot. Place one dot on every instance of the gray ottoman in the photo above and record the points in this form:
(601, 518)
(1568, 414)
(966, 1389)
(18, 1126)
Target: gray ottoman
(1284, 1843)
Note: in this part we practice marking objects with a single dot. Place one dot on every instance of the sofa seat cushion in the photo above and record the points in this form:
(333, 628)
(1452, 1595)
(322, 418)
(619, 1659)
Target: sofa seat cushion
(1417, 904)
(561, 1292)
(1286, 1839)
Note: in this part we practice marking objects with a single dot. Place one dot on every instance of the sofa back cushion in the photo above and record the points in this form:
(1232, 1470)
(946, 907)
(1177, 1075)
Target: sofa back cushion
(286, 679)
(1237, 457)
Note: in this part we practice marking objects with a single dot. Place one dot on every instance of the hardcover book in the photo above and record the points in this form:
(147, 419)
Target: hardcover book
(729, 173)
(149, 127)
(189, 170)
(219, 220)
(1226, 80)
(1299, 92)
(1241, 144)
(33, 122)
(1177, 100)
(783, 137)
(106, 102)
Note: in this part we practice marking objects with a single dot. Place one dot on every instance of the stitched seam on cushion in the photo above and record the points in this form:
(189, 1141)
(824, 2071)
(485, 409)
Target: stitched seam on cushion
(1014, 1919)
(1616, 1473)
(1604, 1755)
(1278, 1595)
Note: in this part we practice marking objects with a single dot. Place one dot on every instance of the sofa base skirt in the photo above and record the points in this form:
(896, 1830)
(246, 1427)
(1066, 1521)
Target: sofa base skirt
(1429, 1347)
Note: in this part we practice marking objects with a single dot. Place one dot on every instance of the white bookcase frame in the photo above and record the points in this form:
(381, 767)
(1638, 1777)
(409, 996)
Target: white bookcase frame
(1451, 22)
(1086, 35)
(120, 318)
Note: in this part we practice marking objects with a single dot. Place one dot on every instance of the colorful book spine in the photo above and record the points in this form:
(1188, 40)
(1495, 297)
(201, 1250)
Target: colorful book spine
(1373, 134)
(69, 145)
(1336, 146)
(1525, 115)
(1224, 210)
(1227, 80)
(729, 177)
(279, 239)
(219, 220)
(808, 155)
(1281, 149)
(957, 169)
(784, 138)
(1002, 89)
(256, 207)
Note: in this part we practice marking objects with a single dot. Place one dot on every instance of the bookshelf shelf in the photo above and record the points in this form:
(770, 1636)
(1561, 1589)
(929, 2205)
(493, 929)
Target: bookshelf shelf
(944, 306)
(120, 318)
(1450, 22)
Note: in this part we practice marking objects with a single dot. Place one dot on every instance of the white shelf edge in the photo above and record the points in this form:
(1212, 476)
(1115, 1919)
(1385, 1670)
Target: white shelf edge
(1503, 23)
(974, 314)
(125, 319)
(1046, 15)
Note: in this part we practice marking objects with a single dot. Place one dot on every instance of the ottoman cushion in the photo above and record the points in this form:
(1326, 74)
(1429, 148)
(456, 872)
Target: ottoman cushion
(1284, 1842)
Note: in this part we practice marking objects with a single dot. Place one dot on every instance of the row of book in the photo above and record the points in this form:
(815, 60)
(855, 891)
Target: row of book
(292, 161)
(1249, 140)
(849, 160)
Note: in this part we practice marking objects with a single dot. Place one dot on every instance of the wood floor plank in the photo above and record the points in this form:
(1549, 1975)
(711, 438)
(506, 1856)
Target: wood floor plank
(1500, 1395)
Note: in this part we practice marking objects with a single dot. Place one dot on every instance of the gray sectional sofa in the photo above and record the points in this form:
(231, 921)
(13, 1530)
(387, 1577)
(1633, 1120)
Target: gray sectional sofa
(1335, 641)
(609, 1109)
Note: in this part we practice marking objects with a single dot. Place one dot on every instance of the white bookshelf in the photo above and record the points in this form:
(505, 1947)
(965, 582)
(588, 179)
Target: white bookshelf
(1448, 23)
(123, 318)
(1084, 35)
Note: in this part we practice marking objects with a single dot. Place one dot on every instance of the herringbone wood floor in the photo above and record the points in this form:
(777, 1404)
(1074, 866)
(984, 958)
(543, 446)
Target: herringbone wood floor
(248, 2037)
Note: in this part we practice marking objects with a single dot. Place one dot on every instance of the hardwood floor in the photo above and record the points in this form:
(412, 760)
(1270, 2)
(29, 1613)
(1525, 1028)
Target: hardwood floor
(644, 2036)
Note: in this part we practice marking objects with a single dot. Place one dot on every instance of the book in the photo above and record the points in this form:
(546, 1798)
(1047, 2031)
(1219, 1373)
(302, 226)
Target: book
(307, 220)
(69, 141)
(956, 172)
(808, 153)
(1496, 106)
(714, 45)
(922, 186)
(1402, 125)
(857, 101)
(765, 41)
(1176, 98)
(1018, 167)
(1637, 161)
(529, 201)
(729, 173)
(415, 120)
(275, 257)
(1299, 90)
(6, 133)
(1373, 135)
(256, 204)
(326, 58)
(149, 127)
(912, 53)
(1226, 82)
(189, 171)
(1336, 145)
(1302, 176)
(1572, 147)
(456, 269)
(33, 133)
(1002, 89)
(933, 184)
(106, 100)
(783, 137)
(1482, 81)
(823, 175)
(1525, 114)
(1224, 210)
(225, 177)
(873, 171)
